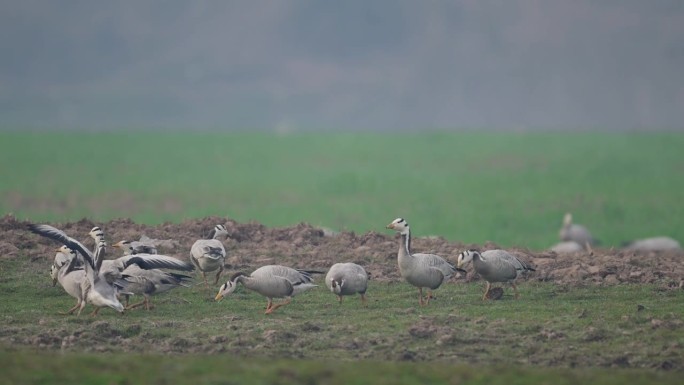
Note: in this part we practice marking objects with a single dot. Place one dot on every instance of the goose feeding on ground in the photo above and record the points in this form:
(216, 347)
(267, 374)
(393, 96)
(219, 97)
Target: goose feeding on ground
(209, 254)
(135, 280)
(495, 266)
(271, 281)
(574, 232)
(347, 279)
(420, 270)
(71, 277)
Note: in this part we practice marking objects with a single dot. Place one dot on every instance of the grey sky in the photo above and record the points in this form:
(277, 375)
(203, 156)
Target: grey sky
(327, 65)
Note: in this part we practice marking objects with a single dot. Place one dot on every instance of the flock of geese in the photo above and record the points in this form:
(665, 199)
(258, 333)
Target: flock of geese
(90, 278)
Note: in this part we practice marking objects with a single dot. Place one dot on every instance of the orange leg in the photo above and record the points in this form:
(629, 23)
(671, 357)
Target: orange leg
(363, 300)
(515, 290)
(277, 305)
(339, 299)
(420, 296)
(218, 275)
(484, 297)
(94, 313)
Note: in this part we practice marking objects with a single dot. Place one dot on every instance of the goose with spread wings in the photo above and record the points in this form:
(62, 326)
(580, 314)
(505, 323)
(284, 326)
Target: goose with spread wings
(102, 277)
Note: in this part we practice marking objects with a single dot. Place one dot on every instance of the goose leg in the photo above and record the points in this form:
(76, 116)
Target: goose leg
(277, 305)
(339, 299)
(81, 307)
(148, 305)
(363, 300)
(206, 284)
(73, 309)
(515, 290)
(484, 297)
(420, 296)
(94, 313)
(269, 305)
(429, 297)
(138, 304)
(218, 274)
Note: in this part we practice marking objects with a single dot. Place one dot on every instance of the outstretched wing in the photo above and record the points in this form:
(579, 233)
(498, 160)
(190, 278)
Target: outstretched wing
(156, 261)
(53, 233)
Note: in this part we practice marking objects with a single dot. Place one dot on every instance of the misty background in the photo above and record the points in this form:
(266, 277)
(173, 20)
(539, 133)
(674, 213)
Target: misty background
(332, 65)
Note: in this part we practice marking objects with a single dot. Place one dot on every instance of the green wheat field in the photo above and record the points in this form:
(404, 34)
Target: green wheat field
(511, 188)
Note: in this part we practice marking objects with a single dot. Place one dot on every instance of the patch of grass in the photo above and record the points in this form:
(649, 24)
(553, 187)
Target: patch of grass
(512, 189)
(624, 326)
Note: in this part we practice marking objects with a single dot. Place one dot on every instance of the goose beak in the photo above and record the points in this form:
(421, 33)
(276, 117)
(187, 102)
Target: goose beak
(58, 250)
(117, 245)
(218, 298)
(390, 226)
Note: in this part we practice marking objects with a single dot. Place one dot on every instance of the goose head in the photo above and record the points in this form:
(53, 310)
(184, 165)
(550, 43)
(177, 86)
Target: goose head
(228, 287)
(63, 257)
(124, 245)
(400, 225)
(336, 286)
(96, 233)
(567, 219)
(466, 257)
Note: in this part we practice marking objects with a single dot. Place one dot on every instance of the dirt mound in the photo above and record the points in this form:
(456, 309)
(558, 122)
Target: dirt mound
(250, 245)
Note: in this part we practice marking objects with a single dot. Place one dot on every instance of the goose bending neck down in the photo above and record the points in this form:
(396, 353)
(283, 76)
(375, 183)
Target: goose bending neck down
(271, 281)
(495, 266)
(420, 270)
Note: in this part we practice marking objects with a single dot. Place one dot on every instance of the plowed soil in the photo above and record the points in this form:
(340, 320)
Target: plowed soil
(250, 245)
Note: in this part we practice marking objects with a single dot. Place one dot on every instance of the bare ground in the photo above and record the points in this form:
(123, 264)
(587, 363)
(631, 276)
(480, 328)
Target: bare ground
(302, 245)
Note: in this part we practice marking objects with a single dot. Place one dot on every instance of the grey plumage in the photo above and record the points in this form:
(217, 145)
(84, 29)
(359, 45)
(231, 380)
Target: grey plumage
(71, 277)
(420, 270)
(136, 247)
(347, 279)
(654, 244)
(271, 281)
(495, 266)
(209, 254)
(102, 292)
(574, 232)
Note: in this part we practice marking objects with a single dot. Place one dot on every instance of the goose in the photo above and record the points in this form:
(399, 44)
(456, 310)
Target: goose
(574, 232)
(495, 266)
(102, 275)
(567, 247)
(271, 281)
(71, 277)
(102, 292)
(209, 254)
(135, 247)
(135, 280)
(654, 244)
(420, 270)
(347, 279)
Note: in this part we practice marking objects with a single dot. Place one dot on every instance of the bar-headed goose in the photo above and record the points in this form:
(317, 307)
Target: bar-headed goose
(135, 247)
(135, 280)
(271, 281)
(102, 292)
(347, 279)
(209, 254)
(575, 232)
(71, 277)
(420, 270)
(495, 266)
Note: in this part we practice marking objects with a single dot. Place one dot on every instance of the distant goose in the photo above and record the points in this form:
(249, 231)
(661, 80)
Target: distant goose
(135, 247)
(567, 247)
(495, 266)
(102, 292)
(209, 254)
(420, 270)
(574, 232)
(654, 244)
(347, 279)
(71, 277)
(271, 281)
